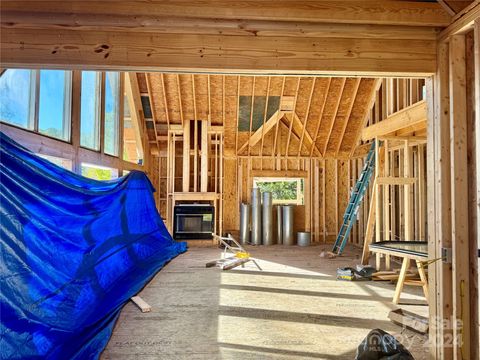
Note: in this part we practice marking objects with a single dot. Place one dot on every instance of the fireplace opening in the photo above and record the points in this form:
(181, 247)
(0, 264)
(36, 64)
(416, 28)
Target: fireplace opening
(193, 222)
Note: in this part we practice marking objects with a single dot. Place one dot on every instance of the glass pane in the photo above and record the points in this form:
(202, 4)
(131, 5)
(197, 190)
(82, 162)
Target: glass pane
(17, 95)
(112, 85)
(54, 104)
(132, 143)
(90, 110)
(283, 190)
(98, 172)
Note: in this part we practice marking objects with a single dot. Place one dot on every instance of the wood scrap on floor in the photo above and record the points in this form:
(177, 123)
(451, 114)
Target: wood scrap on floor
(142, 304)
(410, 320)
(328, 254)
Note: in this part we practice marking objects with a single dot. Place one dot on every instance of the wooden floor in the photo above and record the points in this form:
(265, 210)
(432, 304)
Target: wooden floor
(293, 309)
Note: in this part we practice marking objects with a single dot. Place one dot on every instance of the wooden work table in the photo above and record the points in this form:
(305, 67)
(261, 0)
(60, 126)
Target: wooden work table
(408, 251)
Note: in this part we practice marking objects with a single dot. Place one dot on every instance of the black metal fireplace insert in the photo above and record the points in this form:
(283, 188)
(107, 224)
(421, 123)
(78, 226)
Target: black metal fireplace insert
(193, 222)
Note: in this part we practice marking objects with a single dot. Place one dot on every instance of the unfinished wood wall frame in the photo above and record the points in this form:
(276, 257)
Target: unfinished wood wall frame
(314, 119)
(453, 139)
(398, 118)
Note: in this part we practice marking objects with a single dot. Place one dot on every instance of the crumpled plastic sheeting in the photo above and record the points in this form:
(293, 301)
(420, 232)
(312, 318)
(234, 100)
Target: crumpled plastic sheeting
(73, 252)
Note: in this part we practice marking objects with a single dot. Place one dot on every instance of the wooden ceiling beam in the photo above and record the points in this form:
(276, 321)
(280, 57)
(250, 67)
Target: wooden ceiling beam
(152, 108)
(231, 27)
(347, 116)
(325, 11)
(364, 116)
(274, 151)
(410, 116)
(334, 117)
(447, 7)
(307, 112)
(165, 102)
(180, 106)
(251, 114)
(462, 22)
(132, 92)
(320, 116)
(292, 119)
(264, 119)
(97, 50)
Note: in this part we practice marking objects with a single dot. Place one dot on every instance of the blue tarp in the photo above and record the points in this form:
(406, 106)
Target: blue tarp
(73, 251)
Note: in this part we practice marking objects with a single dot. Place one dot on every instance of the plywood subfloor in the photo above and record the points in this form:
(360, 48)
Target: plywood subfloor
(293, 309)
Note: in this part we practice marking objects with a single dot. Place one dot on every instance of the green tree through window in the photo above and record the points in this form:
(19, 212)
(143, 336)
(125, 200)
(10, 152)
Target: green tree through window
(283, 190)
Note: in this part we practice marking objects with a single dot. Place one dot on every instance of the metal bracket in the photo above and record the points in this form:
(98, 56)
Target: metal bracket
(447, 255)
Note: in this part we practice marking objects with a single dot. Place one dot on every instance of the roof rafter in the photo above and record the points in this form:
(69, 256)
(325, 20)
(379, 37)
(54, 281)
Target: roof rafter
(265, 128)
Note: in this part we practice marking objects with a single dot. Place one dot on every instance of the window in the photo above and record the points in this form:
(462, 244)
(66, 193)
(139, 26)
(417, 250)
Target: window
(112, 90)
(284, 190)
(132, 142)
(54, 104)
(65, 163)
(98, 172)
(90, 110)
(17, 97)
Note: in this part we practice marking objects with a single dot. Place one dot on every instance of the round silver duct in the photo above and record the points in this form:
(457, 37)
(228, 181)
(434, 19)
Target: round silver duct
(287, 229)
(267, 218)
(256, 217)
(244, 223)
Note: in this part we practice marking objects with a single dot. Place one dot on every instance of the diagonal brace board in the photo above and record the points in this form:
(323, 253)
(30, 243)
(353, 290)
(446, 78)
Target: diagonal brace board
(265, 128)
(297, 127)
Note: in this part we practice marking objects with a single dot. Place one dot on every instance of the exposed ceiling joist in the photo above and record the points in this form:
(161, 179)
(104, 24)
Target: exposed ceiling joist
(447, 7)
(324, 11)
(347, 116)
(68, 49)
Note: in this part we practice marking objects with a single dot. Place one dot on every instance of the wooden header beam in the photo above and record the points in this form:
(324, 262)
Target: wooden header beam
(279, 173)
(101, 50)
(412, 115)
(409, 13)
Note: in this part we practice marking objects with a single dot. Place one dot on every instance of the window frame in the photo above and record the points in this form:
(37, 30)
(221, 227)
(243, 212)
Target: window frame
(98, 110)
(99, 167)
(119, 114)
(34, 106)
(300, 200)
(67, 105)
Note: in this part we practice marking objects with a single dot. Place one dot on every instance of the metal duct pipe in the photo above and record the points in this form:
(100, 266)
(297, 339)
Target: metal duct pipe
(256, 217)
(303, 238)
(287, 230)
(244, 223)
(267, 218)
(279, 225)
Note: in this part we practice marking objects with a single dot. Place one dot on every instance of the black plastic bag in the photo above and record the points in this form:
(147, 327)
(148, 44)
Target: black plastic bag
(380, 345)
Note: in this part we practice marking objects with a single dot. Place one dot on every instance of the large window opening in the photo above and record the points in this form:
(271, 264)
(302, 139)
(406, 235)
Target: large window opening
(111, 113)
(54, 104)
(284, 190)
(90, 110)
(98, 172)
(38, 100)
(17, 98)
